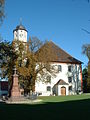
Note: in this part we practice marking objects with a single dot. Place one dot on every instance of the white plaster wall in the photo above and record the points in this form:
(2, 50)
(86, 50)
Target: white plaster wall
(20, 35)
(41, 87)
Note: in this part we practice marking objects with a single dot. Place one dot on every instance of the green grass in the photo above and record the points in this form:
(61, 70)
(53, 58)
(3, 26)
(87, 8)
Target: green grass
(51, 108)
(63, 98)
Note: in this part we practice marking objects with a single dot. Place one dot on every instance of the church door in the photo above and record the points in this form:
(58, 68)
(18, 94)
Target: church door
(63, 90)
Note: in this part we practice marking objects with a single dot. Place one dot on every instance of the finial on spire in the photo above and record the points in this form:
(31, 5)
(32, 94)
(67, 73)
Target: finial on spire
(20, 21)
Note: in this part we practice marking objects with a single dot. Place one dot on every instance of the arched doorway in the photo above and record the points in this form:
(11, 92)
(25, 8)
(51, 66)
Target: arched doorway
(63, 90)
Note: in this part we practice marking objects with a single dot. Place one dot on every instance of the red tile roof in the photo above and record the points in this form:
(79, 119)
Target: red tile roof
(59, 55)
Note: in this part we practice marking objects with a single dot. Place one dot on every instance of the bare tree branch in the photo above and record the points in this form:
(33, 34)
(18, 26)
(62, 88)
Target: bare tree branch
(86, 50)
(85, 31)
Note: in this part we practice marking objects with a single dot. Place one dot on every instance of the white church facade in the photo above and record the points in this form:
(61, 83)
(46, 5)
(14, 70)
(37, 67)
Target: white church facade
(68, 79)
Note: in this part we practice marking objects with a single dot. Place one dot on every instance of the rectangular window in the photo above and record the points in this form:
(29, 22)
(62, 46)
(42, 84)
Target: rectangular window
(70, 79)
(70, 88)
(69, 68)
(48, 88)
(59, 68)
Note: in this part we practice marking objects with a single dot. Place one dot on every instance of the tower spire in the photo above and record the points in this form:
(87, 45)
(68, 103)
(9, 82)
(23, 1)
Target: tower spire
(20, 21)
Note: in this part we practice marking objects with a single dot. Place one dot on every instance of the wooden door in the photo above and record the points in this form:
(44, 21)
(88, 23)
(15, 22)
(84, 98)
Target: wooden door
(63, 91)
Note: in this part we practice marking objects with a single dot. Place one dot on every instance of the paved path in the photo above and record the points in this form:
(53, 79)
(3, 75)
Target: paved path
(24, 102)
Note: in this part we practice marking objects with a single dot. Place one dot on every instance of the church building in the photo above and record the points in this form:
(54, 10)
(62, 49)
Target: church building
(68, 79)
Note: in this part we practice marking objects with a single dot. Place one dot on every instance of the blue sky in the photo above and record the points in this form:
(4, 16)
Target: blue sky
(58, 20)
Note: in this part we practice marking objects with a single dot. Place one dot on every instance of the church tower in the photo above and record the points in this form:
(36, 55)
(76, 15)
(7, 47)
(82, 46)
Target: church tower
(20, 33)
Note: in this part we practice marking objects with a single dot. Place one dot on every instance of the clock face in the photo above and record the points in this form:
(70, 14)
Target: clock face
(21, 35)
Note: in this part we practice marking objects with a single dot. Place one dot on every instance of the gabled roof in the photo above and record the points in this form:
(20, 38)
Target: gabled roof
(59, 55)
(61, 82)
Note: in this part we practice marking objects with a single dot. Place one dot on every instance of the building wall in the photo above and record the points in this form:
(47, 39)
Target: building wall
(41, 87)
(20, 35)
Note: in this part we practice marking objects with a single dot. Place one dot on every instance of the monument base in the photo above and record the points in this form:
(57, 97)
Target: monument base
(16, 99)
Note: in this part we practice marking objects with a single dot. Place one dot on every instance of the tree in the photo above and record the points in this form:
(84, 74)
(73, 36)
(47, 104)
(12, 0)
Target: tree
(2, 13)
(32, 62)
(88, 0)
(84, 76)
(86, 51)
(7, 60)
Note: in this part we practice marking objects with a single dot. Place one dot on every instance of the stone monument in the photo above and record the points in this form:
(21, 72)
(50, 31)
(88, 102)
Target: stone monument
(15, 91)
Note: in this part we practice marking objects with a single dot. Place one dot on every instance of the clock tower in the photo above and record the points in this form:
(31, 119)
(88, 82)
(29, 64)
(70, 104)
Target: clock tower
(20, 33)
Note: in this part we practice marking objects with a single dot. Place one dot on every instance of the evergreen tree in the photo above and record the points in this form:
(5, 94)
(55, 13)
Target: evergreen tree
(88, 78)
(84, 75)
(86, 51)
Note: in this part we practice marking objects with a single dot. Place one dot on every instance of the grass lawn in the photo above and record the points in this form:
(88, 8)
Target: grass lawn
(51, 108)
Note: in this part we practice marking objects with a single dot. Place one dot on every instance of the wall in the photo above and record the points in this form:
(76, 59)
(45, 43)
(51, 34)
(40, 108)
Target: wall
(20, 35)
(64, 74)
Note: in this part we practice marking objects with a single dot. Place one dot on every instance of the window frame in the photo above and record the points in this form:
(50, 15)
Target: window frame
(69, 68)
(70, 79)
(59, 68)
(48, 88)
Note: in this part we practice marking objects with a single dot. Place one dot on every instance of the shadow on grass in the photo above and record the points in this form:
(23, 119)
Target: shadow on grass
(79, 109)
